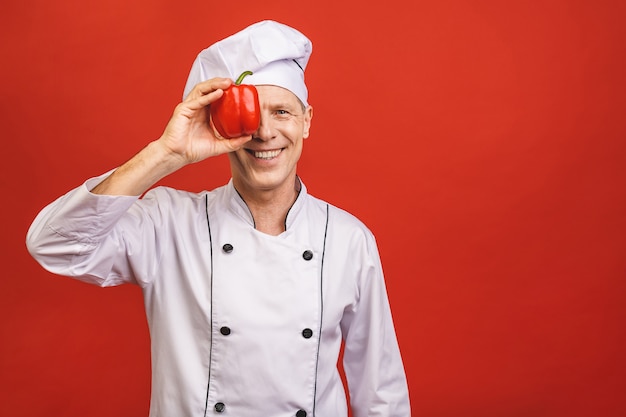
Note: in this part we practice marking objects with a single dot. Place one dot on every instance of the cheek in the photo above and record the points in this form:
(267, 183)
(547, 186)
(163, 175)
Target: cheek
(297, 131)
(289, 133)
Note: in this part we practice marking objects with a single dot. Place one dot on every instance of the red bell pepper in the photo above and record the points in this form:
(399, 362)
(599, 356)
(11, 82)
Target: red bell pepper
(237, 113)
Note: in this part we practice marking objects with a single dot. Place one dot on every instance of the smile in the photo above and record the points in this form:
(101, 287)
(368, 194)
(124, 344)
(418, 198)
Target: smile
(266, 154)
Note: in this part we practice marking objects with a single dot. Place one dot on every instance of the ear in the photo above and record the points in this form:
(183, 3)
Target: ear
(308, 115)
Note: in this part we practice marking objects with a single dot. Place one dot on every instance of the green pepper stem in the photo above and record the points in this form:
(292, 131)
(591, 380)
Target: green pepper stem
(242, 76)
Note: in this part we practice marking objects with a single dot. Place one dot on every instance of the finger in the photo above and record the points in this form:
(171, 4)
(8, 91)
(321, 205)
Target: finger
(203, 101)
(213, 84)
(236, 143)
(209, 86)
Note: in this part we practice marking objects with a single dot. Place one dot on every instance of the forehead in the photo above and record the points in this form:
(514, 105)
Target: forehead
(273, 94)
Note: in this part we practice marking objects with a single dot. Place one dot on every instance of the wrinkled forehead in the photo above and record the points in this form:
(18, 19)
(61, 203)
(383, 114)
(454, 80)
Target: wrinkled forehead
(277, 96)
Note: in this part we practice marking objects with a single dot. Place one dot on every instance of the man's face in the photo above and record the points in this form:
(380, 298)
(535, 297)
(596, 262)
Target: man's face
(269, 160)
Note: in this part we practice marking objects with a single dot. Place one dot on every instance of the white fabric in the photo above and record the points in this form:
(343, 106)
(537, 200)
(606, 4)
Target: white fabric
(276, 54)
(171, 244)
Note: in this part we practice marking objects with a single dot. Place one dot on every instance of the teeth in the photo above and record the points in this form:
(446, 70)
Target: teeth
(267, 154)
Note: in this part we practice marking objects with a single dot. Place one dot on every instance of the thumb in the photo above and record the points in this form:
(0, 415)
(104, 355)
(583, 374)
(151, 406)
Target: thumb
(236, 143)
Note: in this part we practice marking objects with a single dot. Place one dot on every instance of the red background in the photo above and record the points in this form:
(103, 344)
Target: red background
(482, 141)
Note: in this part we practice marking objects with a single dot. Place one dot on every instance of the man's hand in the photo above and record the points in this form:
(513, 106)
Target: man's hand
(190, 134)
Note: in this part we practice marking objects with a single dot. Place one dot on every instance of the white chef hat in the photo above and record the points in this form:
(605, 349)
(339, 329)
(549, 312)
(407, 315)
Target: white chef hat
(276, 54)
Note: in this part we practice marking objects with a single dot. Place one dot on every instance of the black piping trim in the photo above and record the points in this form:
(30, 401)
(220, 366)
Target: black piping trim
(319, 336)
(249, 211)
(298, 64)
(294, 203)
(208, 222)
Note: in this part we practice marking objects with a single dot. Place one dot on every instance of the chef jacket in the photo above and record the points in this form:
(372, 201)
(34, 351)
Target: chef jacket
(241, 323)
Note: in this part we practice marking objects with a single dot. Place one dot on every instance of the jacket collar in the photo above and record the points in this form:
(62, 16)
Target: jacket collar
(239, 207)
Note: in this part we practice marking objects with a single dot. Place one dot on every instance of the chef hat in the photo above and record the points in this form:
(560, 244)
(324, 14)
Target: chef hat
(276, 54)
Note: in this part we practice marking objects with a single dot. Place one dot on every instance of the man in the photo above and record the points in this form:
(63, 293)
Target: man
(250, 288)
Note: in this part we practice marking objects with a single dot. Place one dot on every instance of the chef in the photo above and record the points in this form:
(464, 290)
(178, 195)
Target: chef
(251, 288)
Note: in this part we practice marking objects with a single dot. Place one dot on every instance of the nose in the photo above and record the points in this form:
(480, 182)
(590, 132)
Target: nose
(265, 131)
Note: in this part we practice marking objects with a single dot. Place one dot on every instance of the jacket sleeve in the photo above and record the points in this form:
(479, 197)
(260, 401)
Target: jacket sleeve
(93, 238)
(372, 362)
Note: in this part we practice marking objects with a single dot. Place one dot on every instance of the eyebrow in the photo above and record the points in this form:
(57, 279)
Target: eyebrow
(283, 105)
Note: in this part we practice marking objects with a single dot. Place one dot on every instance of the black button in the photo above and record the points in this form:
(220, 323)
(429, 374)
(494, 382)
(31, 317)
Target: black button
(301, 413)
(228, 248)
(220, 407)
(307, 255)
(307, 333)
(225, 330)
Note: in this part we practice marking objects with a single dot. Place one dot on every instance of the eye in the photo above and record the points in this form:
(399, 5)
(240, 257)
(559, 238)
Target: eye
(281, 114)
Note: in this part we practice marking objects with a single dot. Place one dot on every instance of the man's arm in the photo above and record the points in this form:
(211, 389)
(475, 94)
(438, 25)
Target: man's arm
(86, 232)
(188, 138)
(372, 360)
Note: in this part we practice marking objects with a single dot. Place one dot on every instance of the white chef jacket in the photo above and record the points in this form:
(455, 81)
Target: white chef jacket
(241, 323)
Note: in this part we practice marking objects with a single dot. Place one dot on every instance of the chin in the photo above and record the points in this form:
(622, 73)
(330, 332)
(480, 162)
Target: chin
(268, 181)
